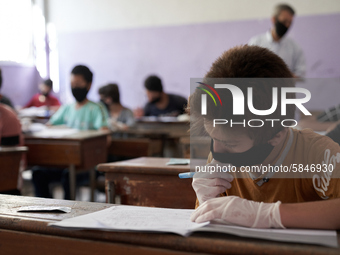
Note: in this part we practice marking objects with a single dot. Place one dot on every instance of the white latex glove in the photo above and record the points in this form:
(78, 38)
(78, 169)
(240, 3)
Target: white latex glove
(239, 211)
(209, 185)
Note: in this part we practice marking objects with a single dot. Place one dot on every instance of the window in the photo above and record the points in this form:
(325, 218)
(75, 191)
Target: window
(16, 31)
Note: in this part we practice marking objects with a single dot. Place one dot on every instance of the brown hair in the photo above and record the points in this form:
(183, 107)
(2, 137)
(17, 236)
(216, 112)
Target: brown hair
(111, 90)
(244, 62)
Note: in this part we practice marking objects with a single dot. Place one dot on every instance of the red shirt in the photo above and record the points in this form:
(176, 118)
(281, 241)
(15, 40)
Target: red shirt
(40, 100)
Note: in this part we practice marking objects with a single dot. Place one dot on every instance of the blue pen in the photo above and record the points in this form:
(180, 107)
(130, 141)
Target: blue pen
(186, 175)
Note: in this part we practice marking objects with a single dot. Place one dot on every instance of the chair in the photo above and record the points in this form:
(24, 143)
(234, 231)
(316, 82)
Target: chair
(10, 163)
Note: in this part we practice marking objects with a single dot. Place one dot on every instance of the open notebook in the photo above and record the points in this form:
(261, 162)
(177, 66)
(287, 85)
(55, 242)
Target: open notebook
(150, 219)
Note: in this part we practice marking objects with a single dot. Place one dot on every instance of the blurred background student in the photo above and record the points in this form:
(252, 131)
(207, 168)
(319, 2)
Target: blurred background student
(120, 117)
(44, 97)
(159, 102)
(83, 115)
(10, 132)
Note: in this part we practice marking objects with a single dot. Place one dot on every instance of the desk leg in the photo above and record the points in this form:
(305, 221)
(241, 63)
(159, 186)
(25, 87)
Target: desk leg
(72, 175)
(92, 182)
(110, 192)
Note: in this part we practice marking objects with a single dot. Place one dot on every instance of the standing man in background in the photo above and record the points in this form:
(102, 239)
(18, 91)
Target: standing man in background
(283, 46)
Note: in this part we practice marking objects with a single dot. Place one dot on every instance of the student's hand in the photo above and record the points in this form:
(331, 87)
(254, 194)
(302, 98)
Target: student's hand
(138, 112)
(209, 185)
(239, 211)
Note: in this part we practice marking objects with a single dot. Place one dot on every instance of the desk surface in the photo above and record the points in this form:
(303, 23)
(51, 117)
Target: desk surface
(26, 225)
(7, 149)
(148, 181)
(144, 165)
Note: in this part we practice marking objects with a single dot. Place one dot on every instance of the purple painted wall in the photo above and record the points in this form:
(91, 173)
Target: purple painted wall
(20, 82)
(175, 53)
(178, 53)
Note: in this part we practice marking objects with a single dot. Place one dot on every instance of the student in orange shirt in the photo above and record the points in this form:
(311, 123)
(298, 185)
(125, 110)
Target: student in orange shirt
(263, 200)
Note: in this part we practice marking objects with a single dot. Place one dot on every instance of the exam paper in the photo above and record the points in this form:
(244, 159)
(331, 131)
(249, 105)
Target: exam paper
(56, 132)
(135, 218)
(151, 219)
(178, 161)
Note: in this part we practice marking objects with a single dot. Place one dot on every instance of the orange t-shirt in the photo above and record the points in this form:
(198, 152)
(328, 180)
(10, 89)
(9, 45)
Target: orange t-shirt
(306, 148)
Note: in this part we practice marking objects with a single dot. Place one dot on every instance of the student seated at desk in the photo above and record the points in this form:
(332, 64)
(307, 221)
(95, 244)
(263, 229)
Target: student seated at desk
(160, 103)
(102, 93)
(44, 97)
(256, 199)
(120, 117)
(83, 115)
(10, 131)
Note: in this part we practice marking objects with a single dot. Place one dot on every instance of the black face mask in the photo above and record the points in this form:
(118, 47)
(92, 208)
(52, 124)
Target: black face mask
(254, 156)
(155, 100)
(280, 28)
(79, 94)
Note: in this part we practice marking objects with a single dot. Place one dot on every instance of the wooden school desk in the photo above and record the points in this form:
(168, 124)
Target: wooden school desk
(28, 233)
(175, 129)
(135, 142)
(148, 181)
(10, 160)
(80, 151)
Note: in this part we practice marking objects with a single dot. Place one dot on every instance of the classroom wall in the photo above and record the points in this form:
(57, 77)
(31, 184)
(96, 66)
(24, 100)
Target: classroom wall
(124, 41)
(20, 82)
(93, 15)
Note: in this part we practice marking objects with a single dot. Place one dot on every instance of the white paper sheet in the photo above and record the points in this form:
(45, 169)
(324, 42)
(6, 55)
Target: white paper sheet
(39, 208)
(56, 132)
(178, 161)
(135, 218)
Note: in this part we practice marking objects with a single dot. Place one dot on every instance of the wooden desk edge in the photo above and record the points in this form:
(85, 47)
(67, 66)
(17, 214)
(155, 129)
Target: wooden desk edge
(199, 243)
(212, 243)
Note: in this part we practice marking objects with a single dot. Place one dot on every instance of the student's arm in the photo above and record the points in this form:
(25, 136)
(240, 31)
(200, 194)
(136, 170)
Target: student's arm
(100, 118)
(181, 104)
(130, 119)
(313, 123)
(239, 211)
(58, 118)
(318, 215)
(147, 111)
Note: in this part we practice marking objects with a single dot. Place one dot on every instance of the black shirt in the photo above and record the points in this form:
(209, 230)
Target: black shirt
(174, 108)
